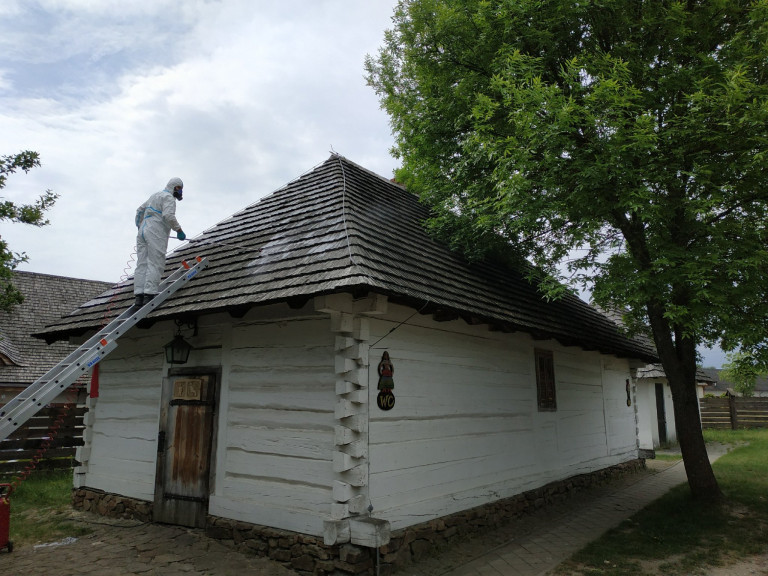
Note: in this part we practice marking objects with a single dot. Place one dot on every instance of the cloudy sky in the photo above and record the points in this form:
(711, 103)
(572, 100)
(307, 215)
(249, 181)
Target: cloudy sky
(236, 97)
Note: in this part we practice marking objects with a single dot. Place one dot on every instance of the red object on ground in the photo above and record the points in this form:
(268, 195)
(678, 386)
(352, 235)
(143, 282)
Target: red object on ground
(5, 516)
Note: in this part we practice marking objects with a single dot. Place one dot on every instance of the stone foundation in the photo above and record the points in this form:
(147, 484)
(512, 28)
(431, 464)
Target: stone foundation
(308, 555)
(111, 505)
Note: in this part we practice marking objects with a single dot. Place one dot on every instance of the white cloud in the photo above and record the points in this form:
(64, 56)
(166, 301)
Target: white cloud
(237, 98)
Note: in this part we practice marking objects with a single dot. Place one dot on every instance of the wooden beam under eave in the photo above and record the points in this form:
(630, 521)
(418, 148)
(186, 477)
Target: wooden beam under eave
(238, 311)
(297, 302)
(444, 315)
(472, 320)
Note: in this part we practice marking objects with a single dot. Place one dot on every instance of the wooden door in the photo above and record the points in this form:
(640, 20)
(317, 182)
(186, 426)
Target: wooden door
(184, 450)
(661, 415)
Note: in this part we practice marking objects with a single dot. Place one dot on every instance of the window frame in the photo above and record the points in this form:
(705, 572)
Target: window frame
(546, 387)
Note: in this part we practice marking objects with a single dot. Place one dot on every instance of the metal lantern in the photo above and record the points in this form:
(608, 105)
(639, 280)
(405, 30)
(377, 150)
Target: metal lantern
(177, 350)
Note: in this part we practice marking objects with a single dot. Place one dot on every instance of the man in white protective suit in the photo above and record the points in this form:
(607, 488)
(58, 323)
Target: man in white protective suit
(155, 219)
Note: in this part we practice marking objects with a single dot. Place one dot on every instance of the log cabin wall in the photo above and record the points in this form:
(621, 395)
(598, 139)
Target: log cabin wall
(274, 463)
(301, 441)
(466, 429)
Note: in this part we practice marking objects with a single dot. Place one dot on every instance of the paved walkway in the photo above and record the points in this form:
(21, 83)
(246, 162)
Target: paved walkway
(124, 548)
(536, 544)
(529, 547)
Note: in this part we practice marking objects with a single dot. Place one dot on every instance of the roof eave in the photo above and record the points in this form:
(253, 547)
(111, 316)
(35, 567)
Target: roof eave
(438, 311)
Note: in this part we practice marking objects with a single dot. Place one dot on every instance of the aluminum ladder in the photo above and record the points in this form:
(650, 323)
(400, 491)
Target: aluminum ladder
(43, 390)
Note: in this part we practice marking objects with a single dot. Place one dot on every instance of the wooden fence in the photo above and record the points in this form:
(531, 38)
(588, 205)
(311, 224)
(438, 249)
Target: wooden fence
(46, 441)
(734, 413)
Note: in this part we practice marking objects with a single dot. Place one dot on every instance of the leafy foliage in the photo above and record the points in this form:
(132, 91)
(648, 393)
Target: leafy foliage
(582, 128)
(33, 214)
(743, 370)
(617, 145)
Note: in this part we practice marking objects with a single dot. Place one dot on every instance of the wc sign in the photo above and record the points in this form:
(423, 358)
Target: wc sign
(386, 370)
(386, 400)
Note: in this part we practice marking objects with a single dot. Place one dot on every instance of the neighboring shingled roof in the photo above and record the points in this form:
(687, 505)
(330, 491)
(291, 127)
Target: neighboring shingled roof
(23, 359)
(653, 371)
(342, 228)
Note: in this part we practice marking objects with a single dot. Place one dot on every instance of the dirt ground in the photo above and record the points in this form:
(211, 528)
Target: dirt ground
(756, 565)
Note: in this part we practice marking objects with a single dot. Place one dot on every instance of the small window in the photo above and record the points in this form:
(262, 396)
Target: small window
(545, 380)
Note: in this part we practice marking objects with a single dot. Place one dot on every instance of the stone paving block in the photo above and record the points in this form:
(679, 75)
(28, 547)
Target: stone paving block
(488, 571)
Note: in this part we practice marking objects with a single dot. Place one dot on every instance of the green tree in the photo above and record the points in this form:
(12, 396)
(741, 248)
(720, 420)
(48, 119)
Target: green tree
(618, 145)
(742, 369)
(24, 213)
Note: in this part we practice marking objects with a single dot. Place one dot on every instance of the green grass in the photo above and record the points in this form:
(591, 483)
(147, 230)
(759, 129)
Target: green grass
(667, 457)
(677, 535)
(41, 509)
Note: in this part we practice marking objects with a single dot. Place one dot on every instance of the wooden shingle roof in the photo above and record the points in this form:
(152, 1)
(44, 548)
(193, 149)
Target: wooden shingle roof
(342, 228)
(23, 359)
(656, 371)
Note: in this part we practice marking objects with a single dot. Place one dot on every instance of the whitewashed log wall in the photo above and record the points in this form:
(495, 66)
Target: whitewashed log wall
(466, 430)
(275, 455)
(301, 443)
(669, 414)
(272, 464)
(647, 426)
(122, 423)
(648, 423)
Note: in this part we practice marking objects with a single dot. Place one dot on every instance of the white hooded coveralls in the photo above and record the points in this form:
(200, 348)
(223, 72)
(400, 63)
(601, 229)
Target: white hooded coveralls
(154, 219)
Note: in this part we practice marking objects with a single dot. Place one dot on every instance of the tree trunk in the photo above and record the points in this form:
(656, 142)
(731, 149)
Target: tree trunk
(677, 351)
(678, 358)
(701, 478)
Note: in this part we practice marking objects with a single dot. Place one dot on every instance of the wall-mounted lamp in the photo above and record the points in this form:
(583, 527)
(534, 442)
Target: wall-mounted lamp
(177, 350)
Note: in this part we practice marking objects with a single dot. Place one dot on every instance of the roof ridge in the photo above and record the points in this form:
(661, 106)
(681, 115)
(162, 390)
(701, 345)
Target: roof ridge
(31, 274)
(340, 160)
(344, 209)
(361, 168)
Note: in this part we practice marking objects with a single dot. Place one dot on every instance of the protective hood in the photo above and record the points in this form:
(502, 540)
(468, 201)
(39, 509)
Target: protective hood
(172, 183)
